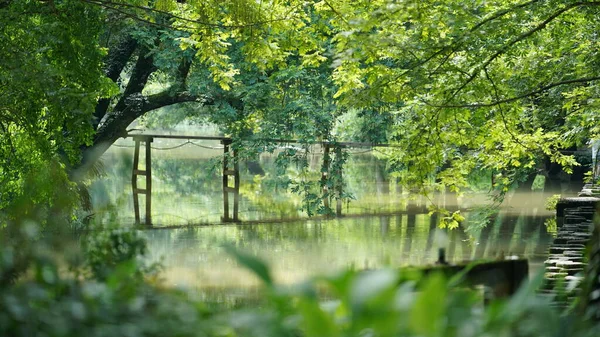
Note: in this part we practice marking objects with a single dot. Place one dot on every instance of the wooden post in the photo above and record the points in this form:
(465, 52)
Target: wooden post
(325, 175)
(136, 160)
(338, 206)
(225, 181)
(236, 187)
(338, 180)
(148, 173)
(148, 181)
(235, 172)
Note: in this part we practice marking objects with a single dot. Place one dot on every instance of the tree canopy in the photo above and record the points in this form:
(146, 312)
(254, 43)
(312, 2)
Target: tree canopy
(494, 84)
(460, 86)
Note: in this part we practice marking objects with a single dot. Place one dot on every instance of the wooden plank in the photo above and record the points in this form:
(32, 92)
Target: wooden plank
(228, 140)
(229, 189)
(139, 172)
(229, 172)
(140, 191)
(145, 135)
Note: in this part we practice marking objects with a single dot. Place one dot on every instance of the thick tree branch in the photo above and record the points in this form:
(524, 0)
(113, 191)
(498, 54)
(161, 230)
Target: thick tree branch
(129, 105)
(142, 70)
(163, 99)
(182, 72)
(125, 111)
(117, 59)
(116, 123)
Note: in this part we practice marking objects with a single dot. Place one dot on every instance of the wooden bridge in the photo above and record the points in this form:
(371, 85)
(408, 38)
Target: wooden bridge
(230, 169)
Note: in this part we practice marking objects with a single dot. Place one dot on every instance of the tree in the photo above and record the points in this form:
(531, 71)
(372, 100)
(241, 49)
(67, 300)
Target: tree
(473, 86)
(496, 85)
(75, 73)
(493, 85)
(50, 80)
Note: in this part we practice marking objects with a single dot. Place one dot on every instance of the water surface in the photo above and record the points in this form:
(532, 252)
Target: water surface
(383, 227)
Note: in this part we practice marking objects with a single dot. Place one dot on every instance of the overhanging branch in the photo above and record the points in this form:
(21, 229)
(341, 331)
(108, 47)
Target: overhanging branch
(163, 99)
(511, 43)
(538, 91)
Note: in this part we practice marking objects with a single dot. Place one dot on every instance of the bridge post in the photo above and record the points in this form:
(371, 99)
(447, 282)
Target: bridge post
(338, 192)
(235, 172)
(338, 179)
(325, 175)
(147, 172)
(236, 187)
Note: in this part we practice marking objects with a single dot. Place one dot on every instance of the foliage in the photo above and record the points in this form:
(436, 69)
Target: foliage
(480, 217)
(317, 194)
(50, 79)
(450, 220)
(110, 249)
(45, 193)
(48, 300)
(459, 87)
(386, 303)
(551, 225)
(473, 85)
(552, 201)
(365, 125)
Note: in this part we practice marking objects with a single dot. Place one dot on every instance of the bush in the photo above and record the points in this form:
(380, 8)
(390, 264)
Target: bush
(113, 298)
(109, 249)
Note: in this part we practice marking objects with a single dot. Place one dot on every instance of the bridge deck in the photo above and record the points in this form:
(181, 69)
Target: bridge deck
(267, 140)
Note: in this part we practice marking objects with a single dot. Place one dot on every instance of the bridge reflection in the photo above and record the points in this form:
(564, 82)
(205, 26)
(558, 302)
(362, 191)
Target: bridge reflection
(298, 250)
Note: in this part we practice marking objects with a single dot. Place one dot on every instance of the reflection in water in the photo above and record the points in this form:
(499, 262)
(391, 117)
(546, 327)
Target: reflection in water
(187, 190)
(484, 238)
(195, 260)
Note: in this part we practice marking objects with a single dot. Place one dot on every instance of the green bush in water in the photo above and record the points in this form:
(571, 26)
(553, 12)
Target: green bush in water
(108, 250)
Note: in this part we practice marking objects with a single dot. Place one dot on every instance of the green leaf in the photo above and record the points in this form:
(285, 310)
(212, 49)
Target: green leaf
(426, 317)
(251, 262)
(316, 322)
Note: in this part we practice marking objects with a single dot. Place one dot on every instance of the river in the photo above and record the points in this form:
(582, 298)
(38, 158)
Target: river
(383, 226)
